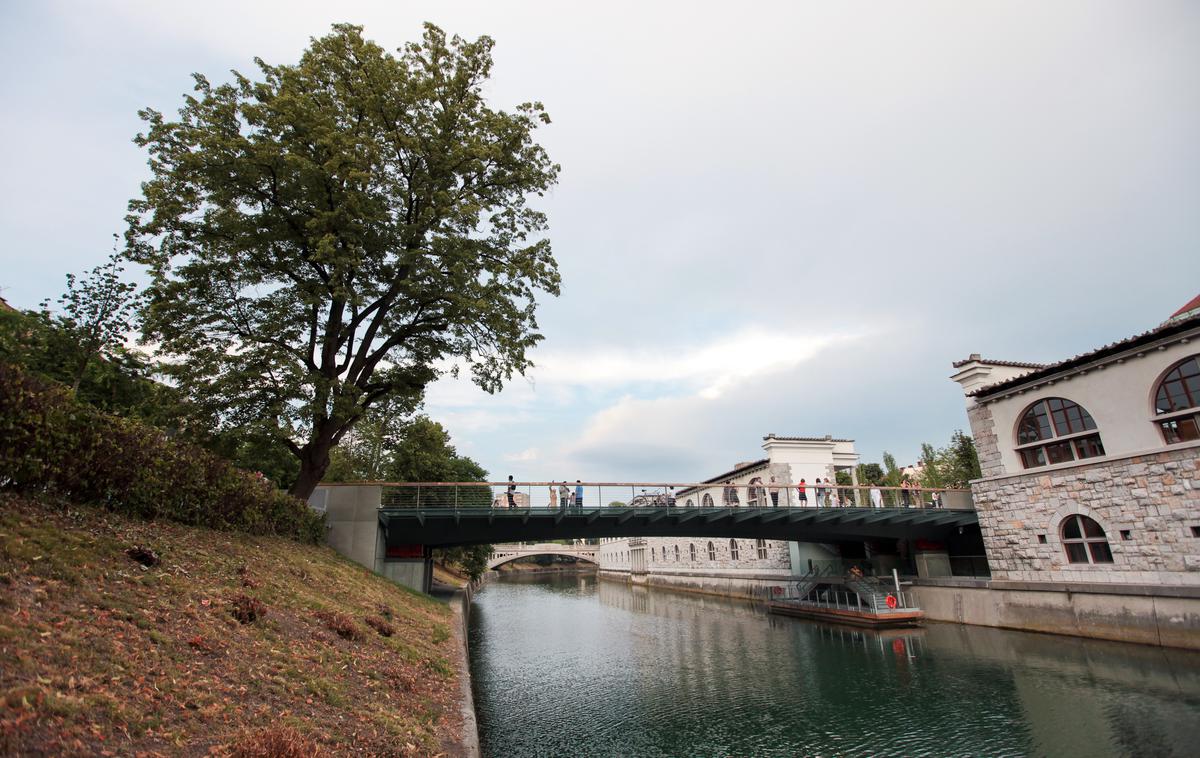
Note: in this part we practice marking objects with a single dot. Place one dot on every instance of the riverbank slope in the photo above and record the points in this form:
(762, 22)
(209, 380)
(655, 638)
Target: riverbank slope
(230, 643)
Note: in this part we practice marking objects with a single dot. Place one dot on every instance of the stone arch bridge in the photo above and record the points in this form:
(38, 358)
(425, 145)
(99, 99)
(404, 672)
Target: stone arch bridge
(502, 554)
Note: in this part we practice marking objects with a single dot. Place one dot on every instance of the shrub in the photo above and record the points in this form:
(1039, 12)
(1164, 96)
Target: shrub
(143, 555)
(53, 443)
(384, 628)
(246, 609)
(340, 623)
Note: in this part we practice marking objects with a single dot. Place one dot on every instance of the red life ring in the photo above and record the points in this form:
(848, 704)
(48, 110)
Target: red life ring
(891, 601)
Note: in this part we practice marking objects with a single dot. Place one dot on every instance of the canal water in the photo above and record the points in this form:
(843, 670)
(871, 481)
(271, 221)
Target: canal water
(573, 666)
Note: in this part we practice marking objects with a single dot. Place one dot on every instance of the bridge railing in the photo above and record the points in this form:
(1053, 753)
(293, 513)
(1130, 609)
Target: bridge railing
(576, 496)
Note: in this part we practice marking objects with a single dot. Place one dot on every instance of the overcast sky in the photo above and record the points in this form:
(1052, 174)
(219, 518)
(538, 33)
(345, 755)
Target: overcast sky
(772, 217)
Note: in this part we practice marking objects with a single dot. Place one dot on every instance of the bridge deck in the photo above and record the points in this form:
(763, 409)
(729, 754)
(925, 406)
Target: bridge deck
(466, 526)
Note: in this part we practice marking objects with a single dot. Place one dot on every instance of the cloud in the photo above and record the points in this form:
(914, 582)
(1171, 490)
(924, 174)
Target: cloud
(527, 455)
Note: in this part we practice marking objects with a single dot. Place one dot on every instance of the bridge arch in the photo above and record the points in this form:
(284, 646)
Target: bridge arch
(502, 554)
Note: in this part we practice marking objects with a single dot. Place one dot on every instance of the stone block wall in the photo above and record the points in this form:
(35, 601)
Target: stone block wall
(983, 430)
(1154, 498)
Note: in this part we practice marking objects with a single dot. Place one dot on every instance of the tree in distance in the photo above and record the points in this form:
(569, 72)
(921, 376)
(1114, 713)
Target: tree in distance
(339, 233)
(96, 313)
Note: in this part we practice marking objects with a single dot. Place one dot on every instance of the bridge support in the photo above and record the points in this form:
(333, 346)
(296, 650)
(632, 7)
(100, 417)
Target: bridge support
(414, 571)
(933, 563)
(354, 530)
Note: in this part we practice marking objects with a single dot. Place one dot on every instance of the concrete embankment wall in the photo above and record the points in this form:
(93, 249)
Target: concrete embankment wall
(460, 604)
(1166, 616)
(745, 587)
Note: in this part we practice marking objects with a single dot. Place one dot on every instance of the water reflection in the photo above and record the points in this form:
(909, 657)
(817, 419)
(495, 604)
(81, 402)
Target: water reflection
(572, 666)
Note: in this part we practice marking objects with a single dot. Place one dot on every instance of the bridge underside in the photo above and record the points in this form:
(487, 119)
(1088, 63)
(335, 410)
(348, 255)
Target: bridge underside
(447, 527)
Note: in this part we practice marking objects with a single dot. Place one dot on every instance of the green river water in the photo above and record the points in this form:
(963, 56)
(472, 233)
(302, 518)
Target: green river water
(566, 665)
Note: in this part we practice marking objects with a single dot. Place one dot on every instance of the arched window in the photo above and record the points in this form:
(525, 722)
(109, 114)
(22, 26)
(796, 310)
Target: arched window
(707, 502)
(651, 555)
(1055, 430)
(712, 551)
(733, 549)
(692, 552)
(677, 553)
(760, 547)
(755, 493)
(1084, 541)
(731, 497)
(689, 503)
(1177, 402)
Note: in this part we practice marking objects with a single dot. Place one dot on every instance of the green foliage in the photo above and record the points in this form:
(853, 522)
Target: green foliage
(95, 314)
(121, 382)
(470, 558)
(53, 443)
(118, 381)
(868, 473)
(952, 466)
(332, 235)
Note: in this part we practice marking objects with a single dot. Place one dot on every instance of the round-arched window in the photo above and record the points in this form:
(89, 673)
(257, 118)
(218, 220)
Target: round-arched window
(1177, 402)
(677, 553)
(755, 492)
(692, 552)
(712, 551)
(733, 549)
(707, 502)
(731, 497)
(689, 503)
(1084, 540)
(1056, 430)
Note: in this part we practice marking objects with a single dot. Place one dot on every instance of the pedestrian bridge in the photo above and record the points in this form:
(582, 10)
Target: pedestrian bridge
(502, 554)
(392, 527)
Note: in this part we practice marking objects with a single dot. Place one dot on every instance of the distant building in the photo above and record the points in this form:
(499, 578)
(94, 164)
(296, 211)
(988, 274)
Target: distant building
(1091, 465)
(731, 566)
(520, 500)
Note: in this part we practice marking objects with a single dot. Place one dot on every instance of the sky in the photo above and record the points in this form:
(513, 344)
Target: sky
(772, 217)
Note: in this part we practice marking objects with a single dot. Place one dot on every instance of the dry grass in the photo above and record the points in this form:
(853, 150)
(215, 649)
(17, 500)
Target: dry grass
(103, 654)
(274, 742)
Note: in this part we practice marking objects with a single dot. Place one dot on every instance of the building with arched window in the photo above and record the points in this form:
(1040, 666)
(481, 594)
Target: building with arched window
(725, 566)
(1091, 465)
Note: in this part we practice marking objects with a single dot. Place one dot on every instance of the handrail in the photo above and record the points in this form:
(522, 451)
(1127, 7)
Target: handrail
(702, 485)
(563, 495)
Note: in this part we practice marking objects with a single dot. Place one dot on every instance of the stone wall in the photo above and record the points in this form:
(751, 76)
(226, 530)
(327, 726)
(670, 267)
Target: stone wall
(1147, 504)
(983, 430)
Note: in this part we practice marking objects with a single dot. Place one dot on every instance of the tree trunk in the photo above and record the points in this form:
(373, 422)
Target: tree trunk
(314, 460)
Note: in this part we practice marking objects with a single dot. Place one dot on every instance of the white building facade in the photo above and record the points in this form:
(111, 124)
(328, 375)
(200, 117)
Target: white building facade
(738, 567)
(1091, 466)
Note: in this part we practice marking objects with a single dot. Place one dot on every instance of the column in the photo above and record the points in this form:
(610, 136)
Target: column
(854, 481)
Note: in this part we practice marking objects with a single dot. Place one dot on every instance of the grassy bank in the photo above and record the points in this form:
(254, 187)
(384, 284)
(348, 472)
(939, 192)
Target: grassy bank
(229, 644)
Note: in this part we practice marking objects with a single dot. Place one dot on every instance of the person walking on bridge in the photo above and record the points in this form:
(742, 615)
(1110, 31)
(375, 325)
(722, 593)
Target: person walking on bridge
(802, 489)
(564, 496)
(773, 489)
(578, 495)
(876, 496)
(553, 497)
(511, 492)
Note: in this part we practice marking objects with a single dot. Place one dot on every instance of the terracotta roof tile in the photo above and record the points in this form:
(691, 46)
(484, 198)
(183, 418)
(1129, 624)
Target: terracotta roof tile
(1166, 329)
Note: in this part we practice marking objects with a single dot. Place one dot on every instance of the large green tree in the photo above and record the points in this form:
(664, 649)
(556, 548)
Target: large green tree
(339, 232)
